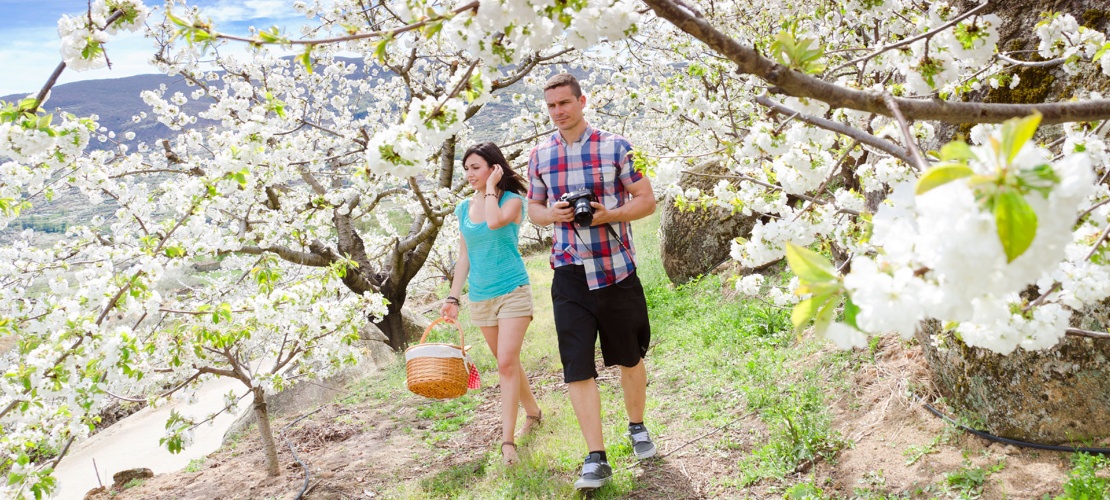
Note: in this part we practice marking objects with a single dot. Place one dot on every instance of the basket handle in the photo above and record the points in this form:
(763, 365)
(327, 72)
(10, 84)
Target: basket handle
(443, 319)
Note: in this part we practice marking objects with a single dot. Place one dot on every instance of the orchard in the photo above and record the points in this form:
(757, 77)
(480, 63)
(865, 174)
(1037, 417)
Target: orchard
(855, 130)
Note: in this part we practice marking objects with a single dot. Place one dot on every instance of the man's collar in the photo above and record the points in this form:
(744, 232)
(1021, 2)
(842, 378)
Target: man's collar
(585, 133)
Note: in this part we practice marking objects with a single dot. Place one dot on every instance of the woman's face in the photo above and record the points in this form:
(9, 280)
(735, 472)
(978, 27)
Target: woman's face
(477, 170)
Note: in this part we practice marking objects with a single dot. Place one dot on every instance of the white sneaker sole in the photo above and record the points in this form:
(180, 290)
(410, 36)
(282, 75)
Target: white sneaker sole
(646, 455)
(589, 484)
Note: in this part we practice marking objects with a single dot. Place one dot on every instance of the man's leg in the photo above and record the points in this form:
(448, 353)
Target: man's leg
(586, 401)
(634, 385)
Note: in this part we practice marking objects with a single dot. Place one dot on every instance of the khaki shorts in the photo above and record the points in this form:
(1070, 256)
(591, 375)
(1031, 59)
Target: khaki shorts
(515, 304)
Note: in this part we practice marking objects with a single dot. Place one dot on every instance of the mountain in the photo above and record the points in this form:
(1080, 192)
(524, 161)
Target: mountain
(115, 101)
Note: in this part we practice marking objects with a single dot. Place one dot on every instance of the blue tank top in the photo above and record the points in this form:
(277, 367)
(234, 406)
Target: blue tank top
(496, 267)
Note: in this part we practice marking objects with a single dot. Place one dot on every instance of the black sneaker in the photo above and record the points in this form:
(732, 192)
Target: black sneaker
(642, 446)
(595, 473)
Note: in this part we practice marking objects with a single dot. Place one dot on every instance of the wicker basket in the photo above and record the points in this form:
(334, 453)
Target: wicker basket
(437, 370)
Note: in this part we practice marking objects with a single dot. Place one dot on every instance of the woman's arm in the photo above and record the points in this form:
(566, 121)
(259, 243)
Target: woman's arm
(499, 216)
(450, 307)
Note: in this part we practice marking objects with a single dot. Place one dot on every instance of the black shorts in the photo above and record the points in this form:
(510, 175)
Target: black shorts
(616, 313)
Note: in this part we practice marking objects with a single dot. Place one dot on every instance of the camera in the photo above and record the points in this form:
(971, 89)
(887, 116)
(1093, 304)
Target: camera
(580, 201)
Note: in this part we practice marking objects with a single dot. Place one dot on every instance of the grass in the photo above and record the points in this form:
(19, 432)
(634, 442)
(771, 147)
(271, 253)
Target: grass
(1084, 483)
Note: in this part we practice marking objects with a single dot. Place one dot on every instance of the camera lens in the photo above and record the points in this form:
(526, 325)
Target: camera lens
(583, 212)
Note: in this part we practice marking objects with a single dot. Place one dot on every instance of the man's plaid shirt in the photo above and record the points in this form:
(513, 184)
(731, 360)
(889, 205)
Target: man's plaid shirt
(600, 162)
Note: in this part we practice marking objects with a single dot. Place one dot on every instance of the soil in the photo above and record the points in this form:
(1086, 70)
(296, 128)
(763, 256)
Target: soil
(363, 451)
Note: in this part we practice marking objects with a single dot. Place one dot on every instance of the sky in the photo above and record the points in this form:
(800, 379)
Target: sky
(29, 44)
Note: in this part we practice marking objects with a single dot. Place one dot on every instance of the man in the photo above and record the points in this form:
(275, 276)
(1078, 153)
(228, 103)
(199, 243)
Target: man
(595, 291)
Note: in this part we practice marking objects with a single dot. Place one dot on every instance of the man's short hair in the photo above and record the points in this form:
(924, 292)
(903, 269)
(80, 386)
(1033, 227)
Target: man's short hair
(564, 79)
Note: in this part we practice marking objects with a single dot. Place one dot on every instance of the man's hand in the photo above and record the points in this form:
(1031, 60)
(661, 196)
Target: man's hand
(602, 215)
(561, 211)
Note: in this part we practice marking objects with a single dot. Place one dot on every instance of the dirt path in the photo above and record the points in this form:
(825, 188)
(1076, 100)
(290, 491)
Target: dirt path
(369, 450)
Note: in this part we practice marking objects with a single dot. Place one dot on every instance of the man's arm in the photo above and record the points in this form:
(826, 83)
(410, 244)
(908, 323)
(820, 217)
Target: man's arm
(641, 205)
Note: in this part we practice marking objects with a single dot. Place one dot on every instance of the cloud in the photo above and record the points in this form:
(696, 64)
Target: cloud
(30, 51)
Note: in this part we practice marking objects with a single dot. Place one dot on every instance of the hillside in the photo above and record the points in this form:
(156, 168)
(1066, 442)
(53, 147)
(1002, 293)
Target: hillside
(115, 101)
(740, 407)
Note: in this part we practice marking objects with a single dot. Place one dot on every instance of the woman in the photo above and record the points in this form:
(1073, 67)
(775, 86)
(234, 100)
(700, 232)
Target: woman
(500, 296)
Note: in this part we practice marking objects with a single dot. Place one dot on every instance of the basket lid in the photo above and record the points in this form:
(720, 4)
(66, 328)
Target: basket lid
(433, 351)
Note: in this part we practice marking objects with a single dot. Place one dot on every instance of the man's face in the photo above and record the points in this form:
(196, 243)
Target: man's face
(564, 108)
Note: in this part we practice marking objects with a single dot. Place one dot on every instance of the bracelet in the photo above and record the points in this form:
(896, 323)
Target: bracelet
(452, 300)
(494, 195)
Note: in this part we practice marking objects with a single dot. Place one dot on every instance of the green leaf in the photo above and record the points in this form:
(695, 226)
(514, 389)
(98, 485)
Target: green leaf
(810, 266)
(824, 317)
(306, 58)
(804, 311)
(851, 310)
(431, 29)
(379, 48)
(940, 175)
(176, 20)
(1017, 223)
(956, 151)
(1016, 132)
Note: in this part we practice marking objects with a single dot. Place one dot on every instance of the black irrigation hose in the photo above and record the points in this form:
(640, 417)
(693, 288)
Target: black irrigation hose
(999, 439)
(307, 474)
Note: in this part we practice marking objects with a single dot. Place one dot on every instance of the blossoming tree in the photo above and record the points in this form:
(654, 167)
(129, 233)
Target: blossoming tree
(818, 109)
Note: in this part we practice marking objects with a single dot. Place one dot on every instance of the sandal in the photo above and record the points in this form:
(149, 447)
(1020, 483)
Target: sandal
(530, 423)
(507, 460)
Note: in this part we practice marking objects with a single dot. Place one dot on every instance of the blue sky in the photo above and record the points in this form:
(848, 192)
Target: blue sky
(29, 50)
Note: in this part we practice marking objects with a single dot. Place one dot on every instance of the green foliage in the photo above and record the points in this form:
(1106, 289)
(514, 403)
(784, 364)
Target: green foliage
(446, 417)
(914, 452)
(176, 427)
(799, 432)
(1003, 191)
(819, 278)
(1083, 482)
(805, 491)
(967, 481)
(195, 465)
(195, 32)
(801, 53)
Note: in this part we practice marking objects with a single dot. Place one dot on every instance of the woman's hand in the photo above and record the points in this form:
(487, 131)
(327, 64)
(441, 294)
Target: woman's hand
(494, 177)
(449, 310)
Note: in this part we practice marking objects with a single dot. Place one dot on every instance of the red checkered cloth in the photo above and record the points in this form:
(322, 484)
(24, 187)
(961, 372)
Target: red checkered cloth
(475, 381)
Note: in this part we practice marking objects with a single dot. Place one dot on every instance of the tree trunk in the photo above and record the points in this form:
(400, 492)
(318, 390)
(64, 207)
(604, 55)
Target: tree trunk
(264, 430)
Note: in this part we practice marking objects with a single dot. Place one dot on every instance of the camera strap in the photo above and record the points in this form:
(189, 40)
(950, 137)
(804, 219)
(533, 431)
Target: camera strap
(613, 232)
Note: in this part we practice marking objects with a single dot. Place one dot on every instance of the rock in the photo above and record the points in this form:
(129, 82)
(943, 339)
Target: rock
(211, 265)
(369, 331)
(414, 325)
(694, 242)
(121, 478)
(1052, 396)
(97, 493)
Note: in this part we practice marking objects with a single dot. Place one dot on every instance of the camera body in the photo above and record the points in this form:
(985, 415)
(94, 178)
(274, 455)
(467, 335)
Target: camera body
(580, 202)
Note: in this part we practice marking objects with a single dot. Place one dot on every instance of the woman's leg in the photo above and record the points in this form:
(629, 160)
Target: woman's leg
(505, 341)
(508, 453)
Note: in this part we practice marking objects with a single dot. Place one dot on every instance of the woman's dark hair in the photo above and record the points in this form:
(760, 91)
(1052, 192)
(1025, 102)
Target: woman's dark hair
(510, 181)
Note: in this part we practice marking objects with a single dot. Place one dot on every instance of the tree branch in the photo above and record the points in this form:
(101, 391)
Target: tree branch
(796, 84)
(911, 145)
(288, 254)
(840, 128)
